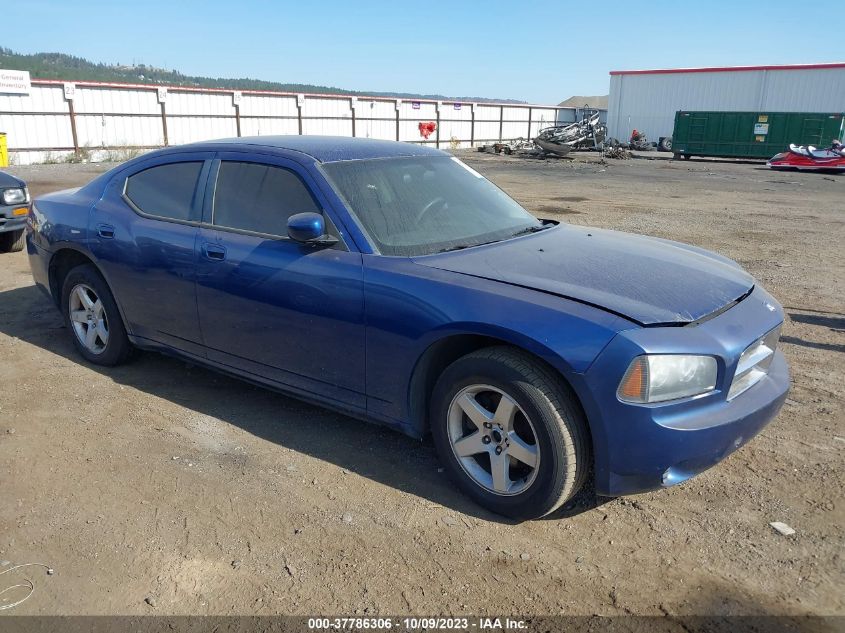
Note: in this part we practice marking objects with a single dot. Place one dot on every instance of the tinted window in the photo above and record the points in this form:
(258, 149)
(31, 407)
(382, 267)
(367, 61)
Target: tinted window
(259, 198)
(166, 191)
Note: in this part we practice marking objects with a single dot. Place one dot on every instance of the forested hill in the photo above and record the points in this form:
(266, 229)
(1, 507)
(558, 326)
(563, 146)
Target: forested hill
(70, 68)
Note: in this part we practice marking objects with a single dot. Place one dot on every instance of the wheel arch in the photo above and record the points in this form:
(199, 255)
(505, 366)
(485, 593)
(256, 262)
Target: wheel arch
(64, 259)
(450, 346)
(67, 257)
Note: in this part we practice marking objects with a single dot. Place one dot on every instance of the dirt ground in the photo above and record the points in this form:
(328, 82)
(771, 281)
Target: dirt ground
(159, 487)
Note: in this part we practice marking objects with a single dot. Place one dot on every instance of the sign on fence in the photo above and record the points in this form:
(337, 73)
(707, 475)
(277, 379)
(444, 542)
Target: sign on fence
(15, 82)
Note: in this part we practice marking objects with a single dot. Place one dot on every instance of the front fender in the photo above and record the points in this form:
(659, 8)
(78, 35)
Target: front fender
(410, 308)
(557, 358)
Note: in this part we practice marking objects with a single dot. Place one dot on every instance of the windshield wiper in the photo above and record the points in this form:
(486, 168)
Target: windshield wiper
(458, 247)
(525, 231)
(532, 229)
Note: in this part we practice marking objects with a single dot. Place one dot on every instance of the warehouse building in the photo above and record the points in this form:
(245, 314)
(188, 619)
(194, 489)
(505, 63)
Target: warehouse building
(646, 100)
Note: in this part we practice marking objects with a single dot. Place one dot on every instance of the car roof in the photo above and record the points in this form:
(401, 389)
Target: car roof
(326, 149)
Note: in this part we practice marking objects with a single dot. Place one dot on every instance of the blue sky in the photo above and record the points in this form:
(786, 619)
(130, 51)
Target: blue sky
(539, 51)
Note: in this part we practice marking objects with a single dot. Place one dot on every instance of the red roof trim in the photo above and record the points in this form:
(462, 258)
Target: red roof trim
(328, 95)
(727, 69)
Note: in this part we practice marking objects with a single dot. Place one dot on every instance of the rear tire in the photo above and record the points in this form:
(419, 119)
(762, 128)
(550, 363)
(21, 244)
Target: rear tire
(665, 144)
(12, 242)
(92, 317)
(537, 436)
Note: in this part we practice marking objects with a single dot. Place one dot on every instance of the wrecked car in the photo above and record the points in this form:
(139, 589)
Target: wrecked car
(394, 283)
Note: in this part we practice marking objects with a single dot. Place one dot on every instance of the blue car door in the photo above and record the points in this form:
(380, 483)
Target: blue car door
(269, 306)
(143, 234)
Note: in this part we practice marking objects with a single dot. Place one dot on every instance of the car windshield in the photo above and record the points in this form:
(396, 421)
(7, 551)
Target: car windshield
(427, 204)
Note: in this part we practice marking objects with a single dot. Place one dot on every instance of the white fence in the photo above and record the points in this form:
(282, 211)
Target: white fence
(58, 120)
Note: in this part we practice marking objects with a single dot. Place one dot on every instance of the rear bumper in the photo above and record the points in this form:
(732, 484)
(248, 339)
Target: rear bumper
(39, 264)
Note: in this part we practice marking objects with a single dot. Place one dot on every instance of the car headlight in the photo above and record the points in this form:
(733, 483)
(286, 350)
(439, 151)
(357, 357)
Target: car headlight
(661, 377)
(15, 196)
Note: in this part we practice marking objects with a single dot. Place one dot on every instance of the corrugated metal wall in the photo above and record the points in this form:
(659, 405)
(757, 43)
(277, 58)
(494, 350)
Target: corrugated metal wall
(570, 115)
(648, 101)
(116, 121)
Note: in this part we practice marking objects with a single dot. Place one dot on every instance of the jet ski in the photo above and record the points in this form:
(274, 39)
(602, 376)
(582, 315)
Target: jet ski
(800, 157)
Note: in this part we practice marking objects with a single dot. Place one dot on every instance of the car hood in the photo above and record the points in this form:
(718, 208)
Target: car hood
(648, 280)
(8, 180)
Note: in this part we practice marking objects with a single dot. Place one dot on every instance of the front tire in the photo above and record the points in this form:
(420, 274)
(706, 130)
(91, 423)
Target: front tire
(92, 317)
(509, 433)
(12, 242)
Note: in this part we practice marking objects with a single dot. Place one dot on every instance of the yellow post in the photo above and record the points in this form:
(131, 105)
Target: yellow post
(4, 151)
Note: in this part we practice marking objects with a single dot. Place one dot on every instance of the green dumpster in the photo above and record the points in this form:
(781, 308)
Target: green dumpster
(752, 134)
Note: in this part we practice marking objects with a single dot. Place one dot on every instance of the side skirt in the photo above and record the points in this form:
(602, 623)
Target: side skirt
(353, 412)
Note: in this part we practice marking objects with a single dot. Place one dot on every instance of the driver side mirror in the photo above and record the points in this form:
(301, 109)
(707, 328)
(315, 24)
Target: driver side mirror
(308, 228)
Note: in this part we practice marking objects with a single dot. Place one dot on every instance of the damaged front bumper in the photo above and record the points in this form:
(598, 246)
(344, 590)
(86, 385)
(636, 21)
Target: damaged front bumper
(641, 447)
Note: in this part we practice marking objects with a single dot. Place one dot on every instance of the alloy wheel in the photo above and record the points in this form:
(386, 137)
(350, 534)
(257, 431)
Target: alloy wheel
(493, 440)
(88, 318)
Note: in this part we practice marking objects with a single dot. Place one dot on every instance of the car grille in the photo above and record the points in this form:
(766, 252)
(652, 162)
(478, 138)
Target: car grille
(754, 363)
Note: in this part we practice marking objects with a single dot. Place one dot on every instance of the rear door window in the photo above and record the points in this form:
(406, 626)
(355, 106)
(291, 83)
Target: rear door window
(259, 198)
(165, 191)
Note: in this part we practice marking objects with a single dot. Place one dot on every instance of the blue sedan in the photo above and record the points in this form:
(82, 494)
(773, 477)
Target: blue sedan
(394, 283)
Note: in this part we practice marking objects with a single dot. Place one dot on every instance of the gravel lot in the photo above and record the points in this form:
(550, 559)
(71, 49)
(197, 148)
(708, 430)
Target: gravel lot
(159, 487)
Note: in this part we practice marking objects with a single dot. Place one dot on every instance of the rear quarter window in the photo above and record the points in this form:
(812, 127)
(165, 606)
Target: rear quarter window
(165, 191)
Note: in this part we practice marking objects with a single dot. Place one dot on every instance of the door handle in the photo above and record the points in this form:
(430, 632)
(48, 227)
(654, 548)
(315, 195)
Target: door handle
(214, 252)
(106, 231)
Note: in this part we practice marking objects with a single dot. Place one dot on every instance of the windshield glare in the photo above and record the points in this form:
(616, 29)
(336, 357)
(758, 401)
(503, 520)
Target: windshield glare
(422, 205)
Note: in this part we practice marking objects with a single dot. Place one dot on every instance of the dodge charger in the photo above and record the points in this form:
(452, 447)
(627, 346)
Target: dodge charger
(394, 283)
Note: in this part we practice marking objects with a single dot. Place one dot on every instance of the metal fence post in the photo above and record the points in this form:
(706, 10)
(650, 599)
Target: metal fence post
(501, 120)
(164, 124)
(70, 92)
(236, 102)
(437, 125)
(397, 119)
(300, 99)
(472, 126)
(530, 112)
(352, 106)
(161, 95)
(73, 126)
